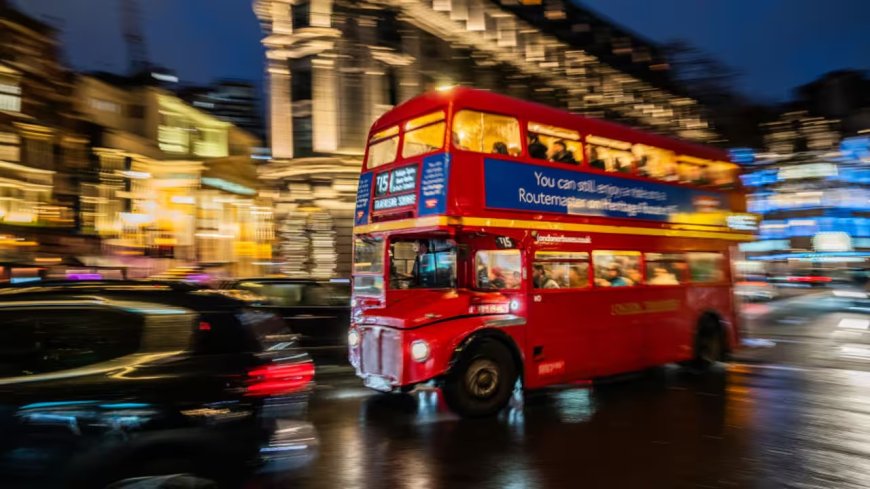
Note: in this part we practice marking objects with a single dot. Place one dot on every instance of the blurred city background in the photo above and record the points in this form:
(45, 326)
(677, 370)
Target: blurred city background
(219, 142)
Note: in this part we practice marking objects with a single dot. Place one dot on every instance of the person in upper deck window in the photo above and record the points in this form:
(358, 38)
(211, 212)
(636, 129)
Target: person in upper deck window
(500, 148)
(561, 153)
(537, 149)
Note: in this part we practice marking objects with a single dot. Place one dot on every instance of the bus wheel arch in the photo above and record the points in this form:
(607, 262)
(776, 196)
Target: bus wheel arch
(482, 373)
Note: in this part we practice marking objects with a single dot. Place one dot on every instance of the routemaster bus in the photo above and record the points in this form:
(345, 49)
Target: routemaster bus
(497, 240)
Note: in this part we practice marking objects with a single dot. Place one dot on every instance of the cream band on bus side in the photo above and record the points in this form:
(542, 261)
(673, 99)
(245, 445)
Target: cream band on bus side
(645, 307)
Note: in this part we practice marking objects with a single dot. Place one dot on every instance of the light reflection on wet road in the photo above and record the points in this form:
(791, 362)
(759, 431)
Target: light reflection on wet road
(756, 424)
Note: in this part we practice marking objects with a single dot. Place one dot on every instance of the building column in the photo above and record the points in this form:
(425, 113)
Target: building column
(280, 109)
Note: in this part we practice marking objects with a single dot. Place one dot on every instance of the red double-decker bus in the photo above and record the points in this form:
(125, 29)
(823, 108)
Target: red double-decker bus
(498, 240)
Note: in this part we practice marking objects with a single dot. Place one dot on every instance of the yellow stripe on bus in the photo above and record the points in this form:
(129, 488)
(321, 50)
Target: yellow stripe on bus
(435, 221)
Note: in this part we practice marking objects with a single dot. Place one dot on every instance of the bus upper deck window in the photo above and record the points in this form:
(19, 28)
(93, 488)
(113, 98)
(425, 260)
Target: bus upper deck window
(655, 162)
(383, 147)
(486, 133)
(498, 269)
(424, 134)
(693, 170)
(722, 174)
(554, 144)
(609, 154)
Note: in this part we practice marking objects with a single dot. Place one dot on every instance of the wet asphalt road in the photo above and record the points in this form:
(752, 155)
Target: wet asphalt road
(794, 412)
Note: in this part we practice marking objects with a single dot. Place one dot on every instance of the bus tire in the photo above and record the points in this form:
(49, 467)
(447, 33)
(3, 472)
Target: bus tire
(482, 380)
(709, 345)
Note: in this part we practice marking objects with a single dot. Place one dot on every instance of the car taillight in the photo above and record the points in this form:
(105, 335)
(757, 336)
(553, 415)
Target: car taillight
(810, 278)
(278, 378)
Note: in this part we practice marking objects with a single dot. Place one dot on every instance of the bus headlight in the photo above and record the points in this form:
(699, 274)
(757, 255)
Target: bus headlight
(353, 338)
(419, 350)
(515, 305)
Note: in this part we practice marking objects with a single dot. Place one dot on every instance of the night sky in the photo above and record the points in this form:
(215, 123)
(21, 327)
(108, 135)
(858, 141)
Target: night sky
(774, 44)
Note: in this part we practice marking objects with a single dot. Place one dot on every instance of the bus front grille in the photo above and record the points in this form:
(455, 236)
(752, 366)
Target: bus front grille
(381, 352)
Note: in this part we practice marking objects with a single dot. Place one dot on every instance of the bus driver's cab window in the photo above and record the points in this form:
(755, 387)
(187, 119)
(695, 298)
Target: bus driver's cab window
(422, 264)
(486, 133)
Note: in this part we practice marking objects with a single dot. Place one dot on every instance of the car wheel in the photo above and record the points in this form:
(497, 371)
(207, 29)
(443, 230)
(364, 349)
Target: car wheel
(482, 380)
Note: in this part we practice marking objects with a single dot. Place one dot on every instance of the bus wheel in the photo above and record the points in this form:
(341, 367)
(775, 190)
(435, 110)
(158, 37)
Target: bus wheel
(709, 344)
(482, 381)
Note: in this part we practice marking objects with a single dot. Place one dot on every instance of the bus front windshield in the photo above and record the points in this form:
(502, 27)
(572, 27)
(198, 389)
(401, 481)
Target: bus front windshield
(422, 264)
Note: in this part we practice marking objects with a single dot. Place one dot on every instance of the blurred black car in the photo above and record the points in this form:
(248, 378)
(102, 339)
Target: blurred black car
(318, 311)
(98, 385)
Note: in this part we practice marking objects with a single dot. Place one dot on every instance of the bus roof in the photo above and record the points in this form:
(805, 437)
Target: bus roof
(486, 101)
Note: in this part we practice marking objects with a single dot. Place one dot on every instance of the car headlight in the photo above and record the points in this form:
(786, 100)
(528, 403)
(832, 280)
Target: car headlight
(353, 338)
(420, 350)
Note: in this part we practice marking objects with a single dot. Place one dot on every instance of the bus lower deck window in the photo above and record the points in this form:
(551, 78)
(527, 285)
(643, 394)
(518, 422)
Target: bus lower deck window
(560, 270)
(617, 268)
(498, 269)
(666, 268)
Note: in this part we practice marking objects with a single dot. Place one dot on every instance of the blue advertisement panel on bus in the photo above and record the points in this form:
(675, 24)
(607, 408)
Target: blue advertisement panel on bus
(519, 186)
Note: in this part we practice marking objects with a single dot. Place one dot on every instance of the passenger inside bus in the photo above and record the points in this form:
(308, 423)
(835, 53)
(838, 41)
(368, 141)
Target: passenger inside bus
(577, 278)
(498, 269)
(500, 148)
(543, 279)
(612, 276)
(561, 153)
(537, 149)
(662, 276)
(595, 160)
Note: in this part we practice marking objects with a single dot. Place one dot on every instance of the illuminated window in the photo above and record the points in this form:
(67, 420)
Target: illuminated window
(498, 269)
(666, 268)
(105, 105)
(424, 135)
(722, 174)
(554, 143)
(693, 170)
(10, 149)
(609, 154)
(383, 147)
(486, 133)
(10, 94)
(617, 268)
(706, 267)
(560, 270)
(655, 162)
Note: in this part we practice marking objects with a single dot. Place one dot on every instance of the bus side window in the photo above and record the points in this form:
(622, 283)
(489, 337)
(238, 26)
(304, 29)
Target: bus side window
(554, 143)
(666, 269)
(486, 133)
(706, 267)
(617, 268)
(609, 154)
(655, 162)
(560, 270)
(498, 269)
